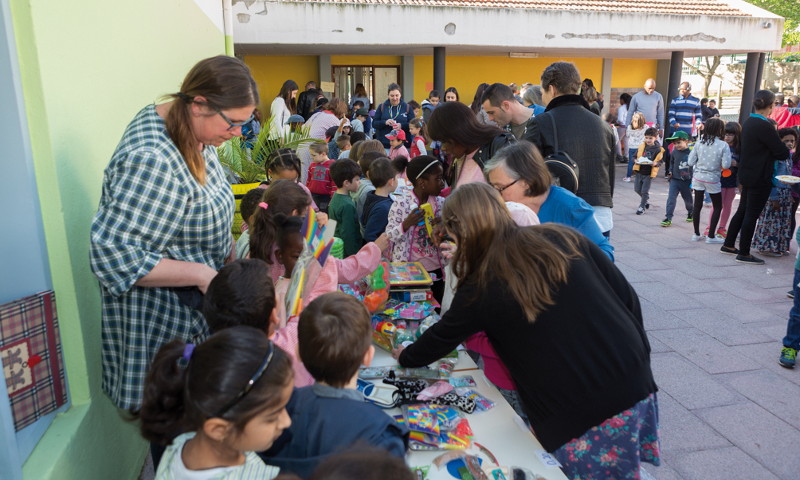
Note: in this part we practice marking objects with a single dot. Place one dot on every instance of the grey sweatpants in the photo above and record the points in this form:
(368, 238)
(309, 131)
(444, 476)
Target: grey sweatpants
(641, 185)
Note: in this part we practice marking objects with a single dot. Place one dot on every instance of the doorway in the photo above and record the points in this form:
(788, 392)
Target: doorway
(375, 78)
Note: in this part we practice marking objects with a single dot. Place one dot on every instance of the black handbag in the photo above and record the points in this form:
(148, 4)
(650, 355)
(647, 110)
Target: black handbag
(562, 167)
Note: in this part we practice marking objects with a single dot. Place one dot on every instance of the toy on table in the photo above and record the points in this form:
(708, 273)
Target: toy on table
(386, 328)
(378, 282)
(407, 274)
(436, 427)
(317, 246)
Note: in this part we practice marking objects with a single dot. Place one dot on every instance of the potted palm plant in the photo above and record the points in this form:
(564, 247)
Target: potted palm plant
(245, 167)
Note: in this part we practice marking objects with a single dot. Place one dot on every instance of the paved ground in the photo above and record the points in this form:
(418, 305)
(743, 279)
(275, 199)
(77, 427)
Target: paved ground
(728, 410)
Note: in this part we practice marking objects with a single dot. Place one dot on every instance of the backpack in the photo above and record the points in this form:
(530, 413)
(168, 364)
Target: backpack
(562, 167)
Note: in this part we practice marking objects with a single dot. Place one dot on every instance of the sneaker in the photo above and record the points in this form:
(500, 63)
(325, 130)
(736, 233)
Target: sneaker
(705, 234)
(788, 356)
(689, 218)
(697, 238)
(715, 239)
(666, 222)
(749, 259)
(729, 250)
(627, 179)
(721, 232)
(639, 210)
(790, 294)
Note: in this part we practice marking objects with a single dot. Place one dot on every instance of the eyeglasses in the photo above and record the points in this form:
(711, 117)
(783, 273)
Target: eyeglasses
(249, 386)
(501, 189)
(232, 125)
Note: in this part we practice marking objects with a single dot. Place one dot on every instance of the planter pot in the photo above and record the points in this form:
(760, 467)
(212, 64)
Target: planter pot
(239, 190)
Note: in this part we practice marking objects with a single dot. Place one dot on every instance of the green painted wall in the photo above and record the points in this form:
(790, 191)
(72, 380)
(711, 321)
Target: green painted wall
(87, 67)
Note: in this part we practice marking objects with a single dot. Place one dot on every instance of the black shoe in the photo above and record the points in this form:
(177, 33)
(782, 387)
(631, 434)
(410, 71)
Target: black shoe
(790, 294)
(749, 259)
(729, 250)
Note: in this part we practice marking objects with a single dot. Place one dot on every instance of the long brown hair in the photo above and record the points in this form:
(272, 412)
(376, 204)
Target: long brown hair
(492, 248)
(225, 82)
(287, 88)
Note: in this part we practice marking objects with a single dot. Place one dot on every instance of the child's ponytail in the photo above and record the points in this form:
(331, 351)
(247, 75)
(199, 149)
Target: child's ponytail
(417, 122)
(285, 198)
(161, 413)
(263, 233)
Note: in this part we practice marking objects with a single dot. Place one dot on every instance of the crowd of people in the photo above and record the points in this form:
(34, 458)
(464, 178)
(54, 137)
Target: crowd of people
(198, 344)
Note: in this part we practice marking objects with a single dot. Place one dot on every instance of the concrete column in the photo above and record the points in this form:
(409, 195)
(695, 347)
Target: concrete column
(439, 70)
(761, 58)
(325, 70)
(749, 88)
(605, 88)
(675, 68)
(407, 65)
(662, 87)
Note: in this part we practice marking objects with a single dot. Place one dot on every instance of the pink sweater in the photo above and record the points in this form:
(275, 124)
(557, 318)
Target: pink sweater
(286, 338)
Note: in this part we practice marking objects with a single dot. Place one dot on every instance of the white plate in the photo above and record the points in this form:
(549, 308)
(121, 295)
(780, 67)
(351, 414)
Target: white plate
(644, 161)
(787, 178)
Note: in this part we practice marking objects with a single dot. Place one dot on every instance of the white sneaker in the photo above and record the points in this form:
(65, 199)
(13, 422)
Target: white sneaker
(697, 238)
(715, 239)
(626, 179)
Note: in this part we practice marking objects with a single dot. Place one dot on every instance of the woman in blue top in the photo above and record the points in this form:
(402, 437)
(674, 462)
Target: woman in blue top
(163, 226)
(393, 114)
(519, 173)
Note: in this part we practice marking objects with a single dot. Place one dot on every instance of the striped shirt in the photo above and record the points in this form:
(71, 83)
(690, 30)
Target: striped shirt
(172, 467)
(686, 112)
(152, 208)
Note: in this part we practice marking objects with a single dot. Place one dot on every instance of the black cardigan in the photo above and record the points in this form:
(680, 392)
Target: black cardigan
(584, 360)
(761, 146)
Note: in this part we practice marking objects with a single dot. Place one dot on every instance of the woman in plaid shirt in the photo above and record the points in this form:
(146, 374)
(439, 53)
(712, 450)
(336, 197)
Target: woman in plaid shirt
(164, 220)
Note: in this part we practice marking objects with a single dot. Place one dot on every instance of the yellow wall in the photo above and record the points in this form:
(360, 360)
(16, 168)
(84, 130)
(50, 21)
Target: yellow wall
(464, 73)
(271, 71)
(632, 72)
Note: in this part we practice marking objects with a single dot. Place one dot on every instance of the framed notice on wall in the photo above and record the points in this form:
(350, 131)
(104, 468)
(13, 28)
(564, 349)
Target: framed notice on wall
(33, 365)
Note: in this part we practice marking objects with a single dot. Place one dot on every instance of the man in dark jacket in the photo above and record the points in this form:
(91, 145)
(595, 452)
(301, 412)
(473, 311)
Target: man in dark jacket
(502, 108)
(581, 134)
(307, 100)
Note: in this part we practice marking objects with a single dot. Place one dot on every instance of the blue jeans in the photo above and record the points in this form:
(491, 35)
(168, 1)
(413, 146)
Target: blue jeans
(792, 338)
(682, 187)
(631, 158)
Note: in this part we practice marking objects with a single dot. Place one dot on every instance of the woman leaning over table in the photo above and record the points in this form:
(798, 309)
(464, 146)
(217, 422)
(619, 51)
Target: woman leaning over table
(567, 325)
(163, 226)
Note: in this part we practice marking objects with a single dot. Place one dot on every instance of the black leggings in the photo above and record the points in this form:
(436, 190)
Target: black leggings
(716, 202)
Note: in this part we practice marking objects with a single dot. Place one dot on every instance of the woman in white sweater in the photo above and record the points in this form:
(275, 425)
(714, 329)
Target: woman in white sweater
(283, 107)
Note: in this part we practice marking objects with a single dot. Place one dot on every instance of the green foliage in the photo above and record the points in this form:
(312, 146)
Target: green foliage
(248, 165)
(790, 10)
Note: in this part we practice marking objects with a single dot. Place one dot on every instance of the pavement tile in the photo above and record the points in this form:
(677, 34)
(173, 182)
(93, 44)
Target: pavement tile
(705, 351)
(677, 282)
(681, 430)
(716, 299)
(760, 434)
(691, 269)
(726, 330)
(662, 472)
(688, 384)
(656, 318)
(719, 464)
(656, 346)
(768, 390)
(767, 355)
(742, 288)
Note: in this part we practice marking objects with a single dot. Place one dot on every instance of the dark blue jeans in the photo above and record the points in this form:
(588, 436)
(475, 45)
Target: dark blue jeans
(631, 158)
(792, 338)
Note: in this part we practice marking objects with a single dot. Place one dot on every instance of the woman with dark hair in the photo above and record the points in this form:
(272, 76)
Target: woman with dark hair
(163, 225)
(393, 114)
(283, 107)
(477, 104)
(761, 147)
(540, 294)
(590, 95)
(360, 94)
(470, 143)
(451, 95)
(519, 173)
(774, 234)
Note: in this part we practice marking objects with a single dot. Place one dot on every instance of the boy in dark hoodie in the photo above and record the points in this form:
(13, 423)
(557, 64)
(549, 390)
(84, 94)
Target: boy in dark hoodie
(429, 105)
(651, 151)
(328, 417)
(680, 177)
(375, 216)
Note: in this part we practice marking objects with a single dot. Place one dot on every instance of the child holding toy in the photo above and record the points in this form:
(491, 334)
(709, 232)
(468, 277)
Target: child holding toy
(335, 340)
(228, 394)
(242, 294)
(406, 227)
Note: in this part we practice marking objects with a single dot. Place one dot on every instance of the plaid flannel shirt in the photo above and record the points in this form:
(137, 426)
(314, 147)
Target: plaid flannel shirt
(152, 208)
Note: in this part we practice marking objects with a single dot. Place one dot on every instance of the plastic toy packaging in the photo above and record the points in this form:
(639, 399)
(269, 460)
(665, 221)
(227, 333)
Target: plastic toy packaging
(482, 403)
(465, 381)
(436, 390)
(436, 427)
(378, 282)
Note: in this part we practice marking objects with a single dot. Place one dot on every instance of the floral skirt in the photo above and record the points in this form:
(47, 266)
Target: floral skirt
(773, 233)
(616, 447)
